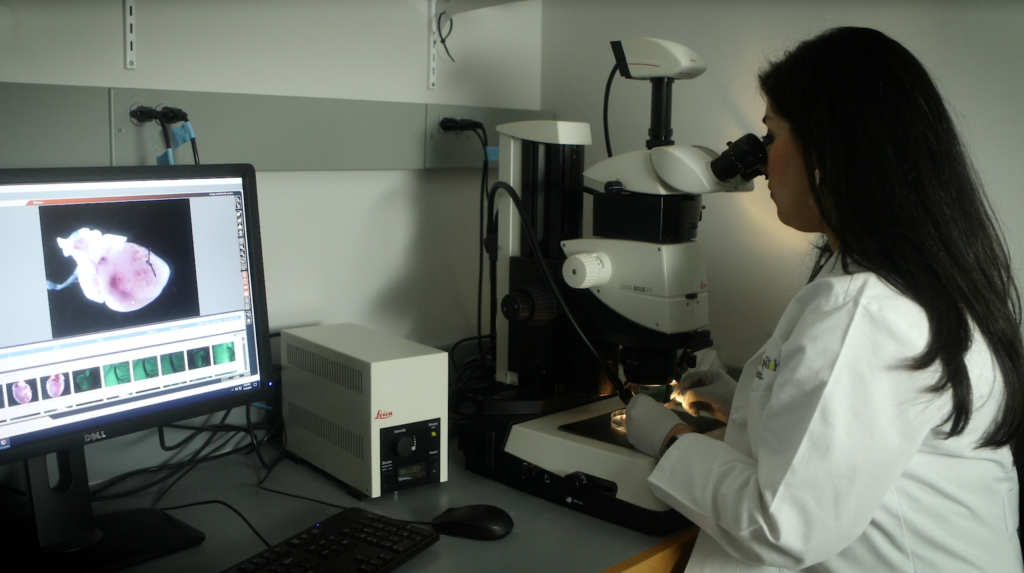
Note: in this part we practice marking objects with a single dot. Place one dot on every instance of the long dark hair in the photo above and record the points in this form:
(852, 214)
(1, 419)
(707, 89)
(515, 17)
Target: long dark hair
(901, 198)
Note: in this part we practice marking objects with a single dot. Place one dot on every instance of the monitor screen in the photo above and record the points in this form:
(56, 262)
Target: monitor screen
(131, 297)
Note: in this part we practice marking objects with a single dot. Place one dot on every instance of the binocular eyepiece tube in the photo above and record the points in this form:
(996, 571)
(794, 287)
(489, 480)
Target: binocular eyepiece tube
(744, 158)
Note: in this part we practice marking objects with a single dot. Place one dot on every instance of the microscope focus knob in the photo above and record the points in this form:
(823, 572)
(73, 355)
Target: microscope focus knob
(585, 270)
(517, 305)
(534, 305)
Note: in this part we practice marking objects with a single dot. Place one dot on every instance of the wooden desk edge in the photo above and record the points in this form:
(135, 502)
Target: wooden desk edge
(668, 556)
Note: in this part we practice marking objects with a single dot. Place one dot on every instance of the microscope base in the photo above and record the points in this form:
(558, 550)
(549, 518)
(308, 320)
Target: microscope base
(600, 479)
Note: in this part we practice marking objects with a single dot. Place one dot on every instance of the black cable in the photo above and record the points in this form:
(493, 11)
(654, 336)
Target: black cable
(480, 253)
(444, 37)
(613, 376)
(167, 135)
(218, 502)
(607, 91)
(176, 467)
(314, 500)
(12, 490)
(479, 378)
(451, 353)
(265, 488)
(195, 151)
(252, 436)
(182, 475)
(221, 427)
(182, 443)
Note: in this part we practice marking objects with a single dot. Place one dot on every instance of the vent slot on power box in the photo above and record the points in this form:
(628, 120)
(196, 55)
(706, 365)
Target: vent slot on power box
(324, 429)
(330, 370)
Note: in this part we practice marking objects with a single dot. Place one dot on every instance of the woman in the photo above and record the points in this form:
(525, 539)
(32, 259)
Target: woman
(873, 431)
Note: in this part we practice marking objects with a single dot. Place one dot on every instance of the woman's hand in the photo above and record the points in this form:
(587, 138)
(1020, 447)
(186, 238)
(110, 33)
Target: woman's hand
(649, 425)
(707, 390)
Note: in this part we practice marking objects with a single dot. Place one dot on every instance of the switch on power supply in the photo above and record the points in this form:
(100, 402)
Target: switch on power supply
(368, 408)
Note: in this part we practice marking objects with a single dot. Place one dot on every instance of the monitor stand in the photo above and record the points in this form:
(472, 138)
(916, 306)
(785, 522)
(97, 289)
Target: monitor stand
(65, 535)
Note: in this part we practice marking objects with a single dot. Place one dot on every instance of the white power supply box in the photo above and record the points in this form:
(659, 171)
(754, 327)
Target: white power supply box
(368, 408)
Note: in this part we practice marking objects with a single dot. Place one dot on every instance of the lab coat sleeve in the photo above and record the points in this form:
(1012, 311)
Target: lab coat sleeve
(840, 422)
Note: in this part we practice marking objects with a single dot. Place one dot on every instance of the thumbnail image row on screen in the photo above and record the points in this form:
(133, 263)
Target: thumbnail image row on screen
(60, 384)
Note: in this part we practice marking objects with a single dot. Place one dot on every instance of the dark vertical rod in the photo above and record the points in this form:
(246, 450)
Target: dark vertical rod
(660, 132)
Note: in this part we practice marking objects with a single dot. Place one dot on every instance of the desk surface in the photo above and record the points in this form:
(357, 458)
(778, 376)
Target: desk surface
(545, 535)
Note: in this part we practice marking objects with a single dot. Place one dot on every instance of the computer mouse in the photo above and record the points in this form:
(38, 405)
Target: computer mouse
(482, 522)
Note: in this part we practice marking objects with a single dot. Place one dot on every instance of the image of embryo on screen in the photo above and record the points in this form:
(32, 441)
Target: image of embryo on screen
(146, 368)
(116, 374)
(86, 380)
(118, 264)
(23, 392)
(55, 386)
(198, 358)
(172, 363)
(224, 353)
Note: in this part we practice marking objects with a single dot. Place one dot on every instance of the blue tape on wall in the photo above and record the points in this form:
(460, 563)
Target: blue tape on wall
(492, 153)
(182, 134)
(165, 158)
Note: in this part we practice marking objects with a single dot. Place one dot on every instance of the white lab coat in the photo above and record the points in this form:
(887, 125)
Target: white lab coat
(832, 461)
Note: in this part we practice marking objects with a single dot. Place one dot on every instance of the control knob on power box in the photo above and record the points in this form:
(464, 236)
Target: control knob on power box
(403, 445)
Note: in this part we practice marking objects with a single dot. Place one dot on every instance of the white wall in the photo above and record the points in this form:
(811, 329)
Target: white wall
(755, 264)
(393, 250)
(353, 49)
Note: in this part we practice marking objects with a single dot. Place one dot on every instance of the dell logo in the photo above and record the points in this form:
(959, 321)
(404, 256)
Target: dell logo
(95, 436)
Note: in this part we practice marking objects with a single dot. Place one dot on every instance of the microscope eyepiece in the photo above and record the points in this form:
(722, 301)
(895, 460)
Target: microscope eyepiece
(744, 157)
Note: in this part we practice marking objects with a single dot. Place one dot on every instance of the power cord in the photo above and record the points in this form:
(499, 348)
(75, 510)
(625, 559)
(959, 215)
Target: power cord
(218, 502)
(284, 493)
(444, 37)
(453, 124)
(169, 115)
(480, 246)
(252, 435)
(187, 465)
(451, 352)
(191, 467)
(164, 117)
(314, 500)
(175, 468)
(248, 430)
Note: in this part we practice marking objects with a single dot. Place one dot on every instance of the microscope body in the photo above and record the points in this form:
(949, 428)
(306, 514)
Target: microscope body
(636, 286)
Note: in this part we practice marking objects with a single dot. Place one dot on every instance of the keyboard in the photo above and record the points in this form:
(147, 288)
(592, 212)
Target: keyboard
(353, 540)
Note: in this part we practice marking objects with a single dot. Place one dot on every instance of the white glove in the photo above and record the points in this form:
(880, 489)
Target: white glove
(710, 390)
(647, 424)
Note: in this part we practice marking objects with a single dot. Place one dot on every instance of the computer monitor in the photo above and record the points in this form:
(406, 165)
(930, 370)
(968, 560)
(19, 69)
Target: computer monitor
(131, 297)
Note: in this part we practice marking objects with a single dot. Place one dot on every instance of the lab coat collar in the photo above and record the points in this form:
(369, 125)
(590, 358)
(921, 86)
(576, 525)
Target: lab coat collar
(833, 267)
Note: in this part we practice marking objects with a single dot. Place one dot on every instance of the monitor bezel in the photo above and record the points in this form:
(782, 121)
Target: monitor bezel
(257, 291)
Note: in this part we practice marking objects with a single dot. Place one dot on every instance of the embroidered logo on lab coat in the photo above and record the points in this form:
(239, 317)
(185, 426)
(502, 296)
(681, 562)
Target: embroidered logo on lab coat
(767, 363)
